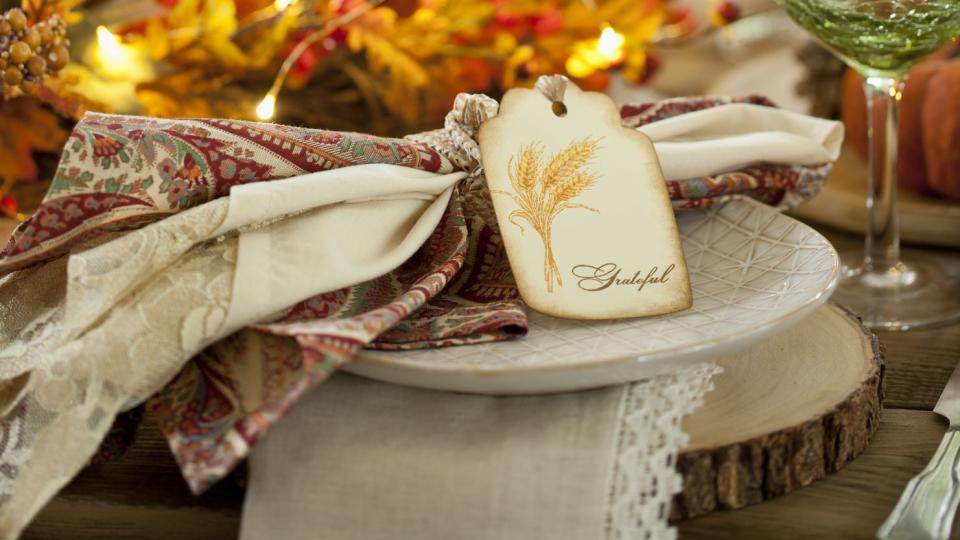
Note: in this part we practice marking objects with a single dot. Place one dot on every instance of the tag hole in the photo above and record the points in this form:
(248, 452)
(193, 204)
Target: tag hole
(559, 108)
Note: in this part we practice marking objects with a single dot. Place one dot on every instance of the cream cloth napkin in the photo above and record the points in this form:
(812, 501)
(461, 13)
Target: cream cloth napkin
(375, 217)
(721, 139)
(296, 238)
(86, 337)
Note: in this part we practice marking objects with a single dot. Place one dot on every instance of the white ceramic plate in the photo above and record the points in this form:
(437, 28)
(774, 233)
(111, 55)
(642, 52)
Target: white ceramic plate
(754, 272)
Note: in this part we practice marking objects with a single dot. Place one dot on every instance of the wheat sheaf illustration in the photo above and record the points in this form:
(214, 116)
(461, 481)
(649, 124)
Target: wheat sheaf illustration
(545, 191)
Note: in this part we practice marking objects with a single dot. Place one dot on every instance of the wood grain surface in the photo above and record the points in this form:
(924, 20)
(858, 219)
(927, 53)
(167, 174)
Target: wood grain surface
(783, 414)
(141, 496)
(851, 503)
(923, 220)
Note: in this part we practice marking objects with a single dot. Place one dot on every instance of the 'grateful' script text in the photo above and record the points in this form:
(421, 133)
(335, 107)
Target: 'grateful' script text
(597, 278)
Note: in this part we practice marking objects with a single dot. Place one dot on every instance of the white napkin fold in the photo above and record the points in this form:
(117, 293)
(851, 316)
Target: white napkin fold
(370, 219)
(299, 237)
(729, 137)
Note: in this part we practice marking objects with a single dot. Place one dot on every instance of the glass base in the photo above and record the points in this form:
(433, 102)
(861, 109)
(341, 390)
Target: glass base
(920, 291)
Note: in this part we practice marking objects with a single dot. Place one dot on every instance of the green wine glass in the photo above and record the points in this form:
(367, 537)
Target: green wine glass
(882, 39)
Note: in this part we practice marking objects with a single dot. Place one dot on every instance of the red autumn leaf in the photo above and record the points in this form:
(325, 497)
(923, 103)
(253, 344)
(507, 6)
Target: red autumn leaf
(8, 205)
(26, 126)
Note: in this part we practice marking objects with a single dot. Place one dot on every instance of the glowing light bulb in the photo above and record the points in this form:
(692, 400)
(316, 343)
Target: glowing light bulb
(610, 44)
(266, 107)
(281, 5)
(115, 59)
(109, 42)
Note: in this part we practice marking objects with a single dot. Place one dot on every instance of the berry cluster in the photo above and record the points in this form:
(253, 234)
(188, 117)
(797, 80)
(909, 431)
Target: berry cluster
(28, 52)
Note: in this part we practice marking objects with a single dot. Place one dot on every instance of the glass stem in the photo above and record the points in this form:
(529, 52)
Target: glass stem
(882, 243)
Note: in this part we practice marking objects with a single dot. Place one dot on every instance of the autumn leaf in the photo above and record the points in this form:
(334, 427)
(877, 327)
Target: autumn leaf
(26, 126)
(195, 93)
(405, 77)
(219, 21)
(248, 7)
(198, 31)
(38, 10)
(57, 93)
(271, 39)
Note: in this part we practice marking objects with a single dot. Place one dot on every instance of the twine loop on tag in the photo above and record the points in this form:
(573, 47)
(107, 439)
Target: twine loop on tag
(553, 87)
(457, 141)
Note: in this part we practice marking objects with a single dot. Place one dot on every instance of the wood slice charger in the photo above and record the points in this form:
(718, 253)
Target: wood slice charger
(782, 415)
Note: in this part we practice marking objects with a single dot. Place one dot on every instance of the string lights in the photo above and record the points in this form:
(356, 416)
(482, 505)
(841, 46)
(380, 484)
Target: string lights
(266, 107)
(608, 50)
(117, 60)
(108, 41)
(597, 54)
(610, 44)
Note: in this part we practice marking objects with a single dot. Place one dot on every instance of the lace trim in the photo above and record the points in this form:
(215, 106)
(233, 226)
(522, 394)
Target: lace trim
(165, 301)
(644, 477)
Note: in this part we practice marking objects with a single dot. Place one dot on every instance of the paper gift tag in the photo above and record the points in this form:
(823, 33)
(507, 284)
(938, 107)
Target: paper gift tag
(582, 206)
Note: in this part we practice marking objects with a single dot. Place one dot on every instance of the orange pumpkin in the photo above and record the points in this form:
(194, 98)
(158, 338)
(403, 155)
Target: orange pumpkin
(941, 130)
(930, 103)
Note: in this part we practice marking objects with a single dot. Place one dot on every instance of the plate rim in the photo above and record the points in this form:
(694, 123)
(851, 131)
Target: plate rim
(678, 355)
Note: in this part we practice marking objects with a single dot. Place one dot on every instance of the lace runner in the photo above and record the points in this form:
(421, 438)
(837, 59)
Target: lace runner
(591, 464)
(644, 477)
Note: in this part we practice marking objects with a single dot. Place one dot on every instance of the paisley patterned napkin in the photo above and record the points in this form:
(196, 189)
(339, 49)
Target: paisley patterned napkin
(120, 174)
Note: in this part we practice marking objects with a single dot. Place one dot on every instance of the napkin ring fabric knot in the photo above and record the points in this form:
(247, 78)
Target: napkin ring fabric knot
(457, 141)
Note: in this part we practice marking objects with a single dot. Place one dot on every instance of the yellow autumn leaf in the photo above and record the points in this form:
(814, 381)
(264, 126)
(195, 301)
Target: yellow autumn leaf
(183, 14)
(219, 22)
(157, 36)
(43, 9)
(383, 56)
(197, 31)
(272, 40)
(645, 29)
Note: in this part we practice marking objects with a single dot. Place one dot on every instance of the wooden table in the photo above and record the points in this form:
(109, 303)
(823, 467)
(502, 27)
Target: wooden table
(141, 496)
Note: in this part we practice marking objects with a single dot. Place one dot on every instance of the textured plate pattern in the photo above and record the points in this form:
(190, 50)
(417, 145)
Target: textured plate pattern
(753, 271)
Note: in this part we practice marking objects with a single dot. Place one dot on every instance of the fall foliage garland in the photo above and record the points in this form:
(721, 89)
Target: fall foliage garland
(386, 69)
